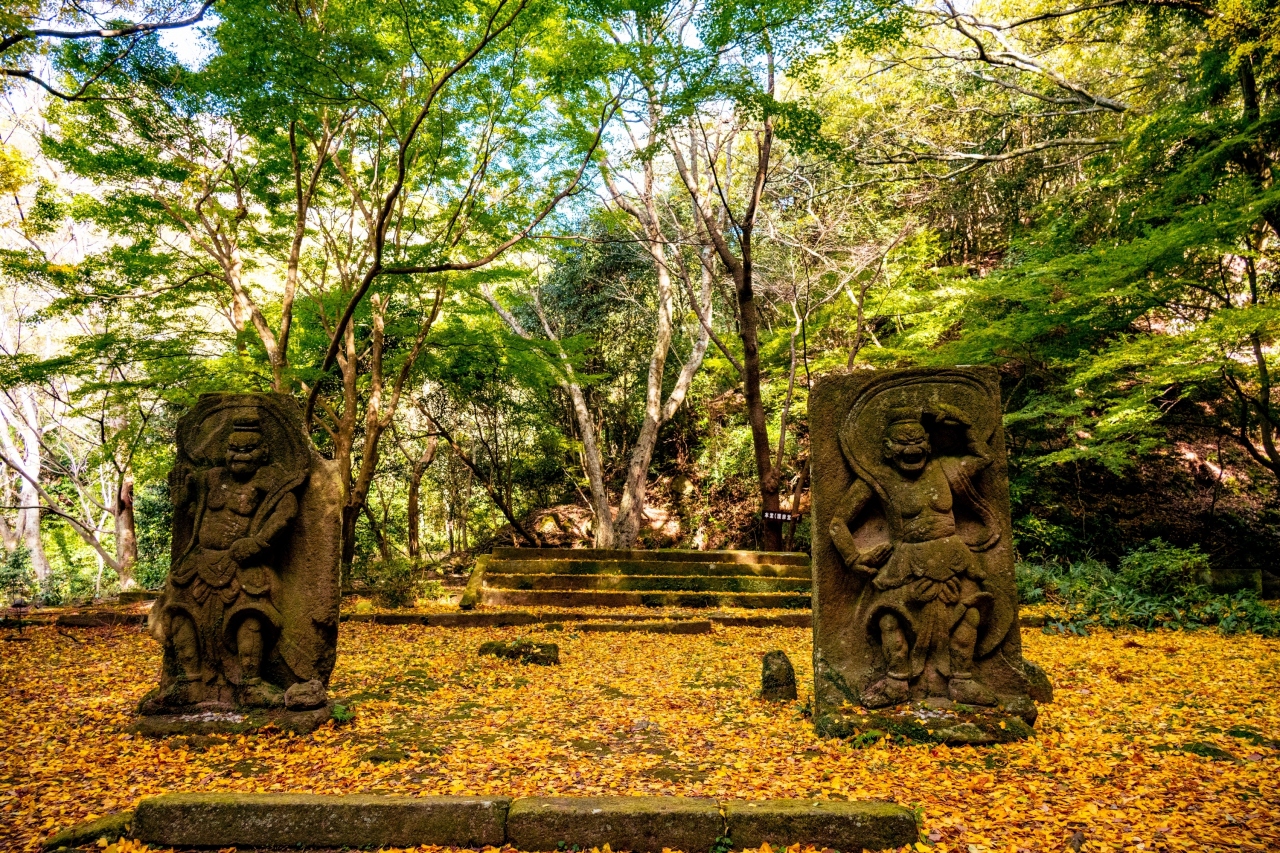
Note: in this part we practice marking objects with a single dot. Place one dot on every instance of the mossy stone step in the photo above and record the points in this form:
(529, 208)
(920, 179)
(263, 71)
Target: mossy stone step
(745, 558)
(647, 583)
(614, 598)
(575, 566)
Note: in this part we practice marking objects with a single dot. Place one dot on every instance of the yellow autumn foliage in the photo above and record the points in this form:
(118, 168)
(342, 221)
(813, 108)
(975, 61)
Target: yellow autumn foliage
(1162, 741)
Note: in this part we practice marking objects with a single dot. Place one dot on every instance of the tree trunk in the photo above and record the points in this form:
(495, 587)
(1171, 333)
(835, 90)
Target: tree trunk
(126, 531)
(29, 495)
(769, 480)
(415, 486)
(29, 530)
(8, 536)
(631, 505)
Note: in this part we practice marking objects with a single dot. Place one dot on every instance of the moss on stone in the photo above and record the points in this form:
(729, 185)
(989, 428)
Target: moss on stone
(524, 651)
(112, 827)
(960, 725)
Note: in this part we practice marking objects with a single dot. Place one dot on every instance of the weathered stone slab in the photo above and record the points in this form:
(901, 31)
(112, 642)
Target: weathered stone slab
(217, 720)
(112, 827)
(687, 627)
(137, 596)
(307, 820)
(570, 565)
(387, 618)
(484, 620)
(611, 598)
(845, 826)
(99, 619)
(661, 555)
(639, 824)
(914, 596)
(789, 620)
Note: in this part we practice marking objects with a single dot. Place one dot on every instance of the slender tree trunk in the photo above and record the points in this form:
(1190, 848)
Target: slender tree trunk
(29, 530)
(631, 505)
(29, 494)
(740, 266)
(126, 531)
(415, 486)
(769, 481)
(592, 461)
(8, 536)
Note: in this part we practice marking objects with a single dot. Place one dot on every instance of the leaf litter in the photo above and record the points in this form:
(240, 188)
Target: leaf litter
(1162, 741)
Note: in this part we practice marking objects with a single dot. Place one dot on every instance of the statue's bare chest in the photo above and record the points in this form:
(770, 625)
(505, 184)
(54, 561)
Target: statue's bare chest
(227, 495)
(928, 493)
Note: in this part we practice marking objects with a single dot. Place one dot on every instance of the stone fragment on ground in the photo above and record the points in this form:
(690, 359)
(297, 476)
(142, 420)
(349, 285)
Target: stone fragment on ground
(778, 678)
(305, 696)
(1039, 687)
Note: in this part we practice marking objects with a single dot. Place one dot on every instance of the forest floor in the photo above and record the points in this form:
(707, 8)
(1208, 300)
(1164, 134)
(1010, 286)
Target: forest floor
(1156, 741)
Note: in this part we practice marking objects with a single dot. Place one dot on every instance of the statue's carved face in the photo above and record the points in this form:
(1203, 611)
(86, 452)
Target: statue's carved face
(906, 447)
(246, 453)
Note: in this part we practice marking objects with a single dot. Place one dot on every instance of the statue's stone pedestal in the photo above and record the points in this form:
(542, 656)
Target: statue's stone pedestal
(949, 723)
(219, 719)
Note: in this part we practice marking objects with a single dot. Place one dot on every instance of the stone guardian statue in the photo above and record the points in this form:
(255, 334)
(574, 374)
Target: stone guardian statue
(249, 615)
(913, 567)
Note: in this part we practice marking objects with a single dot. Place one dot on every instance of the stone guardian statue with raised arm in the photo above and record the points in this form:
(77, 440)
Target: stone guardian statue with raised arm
(913, 569)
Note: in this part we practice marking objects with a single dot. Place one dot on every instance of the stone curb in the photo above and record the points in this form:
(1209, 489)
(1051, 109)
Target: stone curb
(690, 627)
(521, 618)
(823, 823)
(309, 820)
(639, 824)
(791, 620)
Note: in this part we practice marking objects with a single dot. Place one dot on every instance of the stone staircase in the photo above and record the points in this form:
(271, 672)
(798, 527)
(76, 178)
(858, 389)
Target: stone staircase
(593, 577)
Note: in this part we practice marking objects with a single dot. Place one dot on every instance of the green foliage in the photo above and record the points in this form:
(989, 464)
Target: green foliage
(397, 583)
(153, 520)
(1155, 586)
(17, 580)
(1160, 569)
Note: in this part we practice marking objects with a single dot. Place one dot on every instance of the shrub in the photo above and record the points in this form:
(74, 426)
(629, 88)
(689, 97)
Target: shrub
(1159, 568)
(16, 577)
(397, 583)
(1155, 586)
